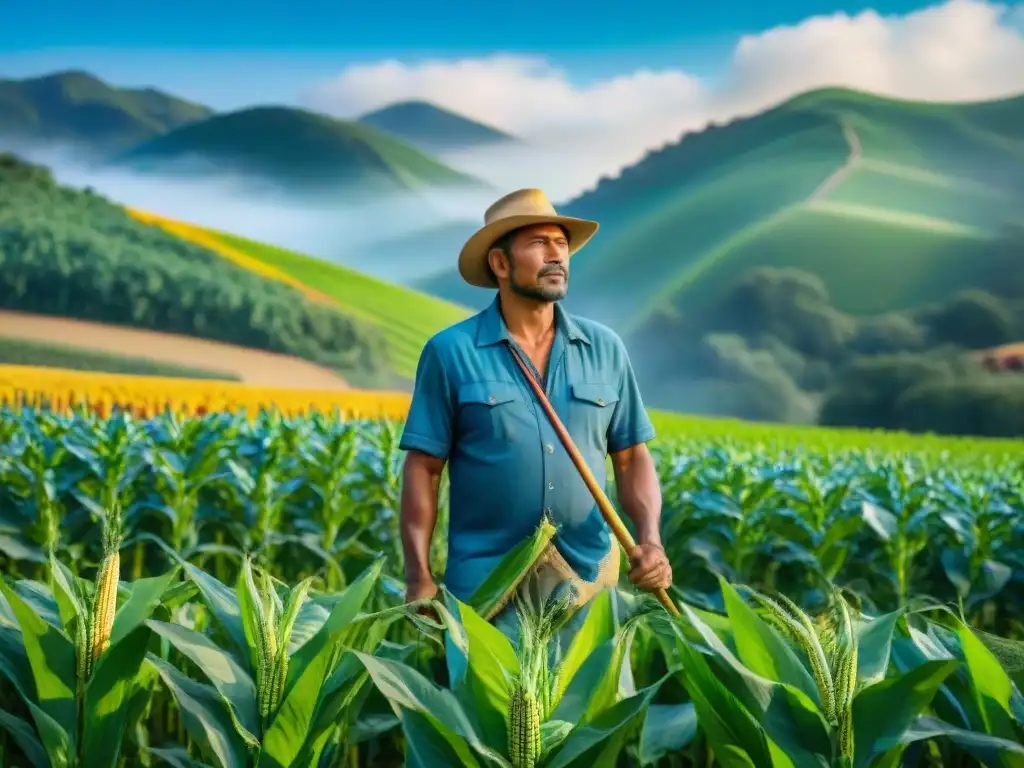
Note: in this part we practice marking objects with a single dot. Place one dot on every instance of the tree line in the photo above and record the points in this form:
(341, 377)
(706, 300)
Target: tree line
(72, 253)
(773, 348)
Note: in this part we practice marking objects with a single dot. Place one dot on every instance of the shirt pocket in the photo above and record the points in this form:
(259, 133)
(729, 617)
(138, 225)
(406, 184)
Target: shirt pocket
(590, 411)
(488, 410)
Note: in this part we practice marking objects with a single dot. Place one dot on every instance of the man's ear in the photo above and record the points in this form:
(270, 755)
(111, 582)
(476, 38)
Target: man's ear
(498, 262)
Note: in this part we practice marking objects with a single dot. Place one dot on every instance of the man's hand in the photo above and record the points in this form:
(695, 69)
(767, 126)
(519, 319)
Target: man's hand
(420, 589)
(650, 568)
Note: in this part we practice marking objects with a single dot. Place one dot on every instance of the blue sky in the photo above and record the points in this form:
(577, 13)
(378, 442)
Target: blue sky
(232, 52)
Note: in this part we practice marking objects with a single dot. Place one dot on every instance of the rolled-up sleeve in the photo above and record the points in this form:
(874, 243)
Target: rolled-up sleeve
(428, 427)
(630, 425)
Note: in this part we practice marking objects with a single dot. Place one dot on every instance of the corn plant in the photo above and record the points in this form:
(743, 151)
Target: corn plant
(276, 683)
(803, 692)
(73, 654)
(511, 707)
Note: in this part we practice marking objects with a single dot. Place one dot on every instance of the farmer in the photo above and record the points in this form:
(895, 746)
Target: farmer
(473, 408)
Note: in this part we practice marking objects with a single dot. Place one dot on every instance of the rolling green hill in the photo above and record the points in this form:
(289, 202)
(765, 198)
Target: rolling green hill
(432, 128)
(404, 317)
(297, 150)
(75, 107)
(888, 202)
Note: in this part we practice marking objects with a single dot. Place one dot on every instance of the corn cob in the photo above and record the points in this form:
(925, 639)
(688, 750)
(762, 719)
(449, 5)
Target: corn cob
(103, 608)
(523, 728)
(265, 646)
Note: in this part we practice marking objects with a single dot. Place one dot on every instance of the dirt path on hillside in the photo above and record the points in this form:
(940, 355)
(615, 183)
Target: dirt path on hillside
(839, 175)
(252, 366)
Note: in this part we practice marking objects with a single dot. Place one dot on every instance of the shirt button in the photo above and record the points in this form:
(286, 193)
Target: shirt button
(600, 401)
(492, 399)
(551, 486)
(549, 448)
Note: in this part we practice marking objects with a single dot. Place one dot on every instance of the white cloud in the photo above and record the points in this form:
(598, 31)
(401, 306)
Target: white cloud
(961, 50)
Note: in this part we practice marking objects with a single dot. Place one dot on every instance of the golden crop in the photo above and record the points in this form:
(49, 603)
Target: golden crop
(64, 390)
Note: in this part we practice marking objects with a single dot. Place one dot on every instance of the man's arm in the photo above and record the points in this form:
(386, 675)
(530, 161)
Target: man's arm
(636, 479)
(421, 478)
(427, 438)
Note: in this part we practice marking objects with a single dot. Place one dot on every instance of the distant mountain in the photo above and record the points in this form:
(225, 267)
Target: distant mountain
(295, 149)
(432, 128)
(79, 109)
(888, 202)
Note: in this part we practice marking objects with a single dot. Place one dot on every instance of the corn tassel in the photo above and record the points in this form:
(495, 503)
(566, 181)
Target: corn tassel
(104, 607)
(846, 682)
(808, 641)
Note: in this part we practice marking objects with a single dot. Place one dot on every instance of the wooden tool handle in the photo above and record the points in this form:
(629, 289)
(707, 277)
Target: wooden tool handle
(622, 534)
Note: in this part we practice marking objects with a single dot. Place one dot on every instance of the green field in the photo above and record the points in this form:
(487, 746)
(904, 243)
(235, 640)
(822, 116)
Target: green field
(406, 317)
(52, 355)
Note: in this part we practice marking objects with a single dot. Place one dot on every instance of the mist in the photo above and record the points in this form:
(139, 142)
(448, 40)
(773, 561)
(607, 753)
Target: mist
(397, 237)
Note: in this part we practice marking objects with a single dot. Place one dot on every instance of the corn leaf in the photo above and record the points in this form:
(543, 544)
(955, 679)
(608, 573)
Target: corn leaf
(429, 744)
(408, 690)
(668, 728)
(789, 717)
(762, 650)
(107, 695)
(606, 725)
(57, 742)
(506, 577)
(223, 602)
(24, 736)
(176, 757)
(492, 665)
(145, 595)
(226, 675)
(884, 711)
(52, 658)
(874, 647)
(735, 736)
(14, 663)
(990, 750)
(598, 628)
(205, 717)
(991, 687)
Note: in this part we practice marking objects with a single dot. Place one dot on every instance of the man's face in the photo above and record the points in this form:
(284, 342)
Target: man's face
(539, 264)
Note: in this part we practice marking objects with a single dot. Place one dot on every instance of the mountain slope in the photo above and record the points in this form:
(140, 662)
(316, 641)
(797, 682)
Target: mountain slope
(432, 128)
(405, 317)
(73, 254)
(836, 182)
(295, 149)
(75, 107)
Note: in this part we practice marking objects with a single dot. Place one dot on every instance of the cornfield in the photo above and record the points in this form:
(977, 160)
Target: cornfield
(224, 589)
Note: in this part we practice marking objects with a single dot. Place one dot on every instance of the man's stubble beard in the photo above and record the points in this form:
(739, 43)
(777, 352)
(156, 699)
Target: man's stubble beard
(535, 292)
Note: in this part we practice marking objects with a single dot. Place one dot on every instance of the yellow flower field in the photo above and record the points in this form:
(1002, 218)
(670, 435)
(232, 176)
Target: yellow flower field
(62, 389)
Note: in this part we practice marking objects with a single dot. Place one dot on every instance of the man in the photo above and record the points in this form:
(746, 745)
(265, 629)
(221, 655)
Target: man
(473, 408)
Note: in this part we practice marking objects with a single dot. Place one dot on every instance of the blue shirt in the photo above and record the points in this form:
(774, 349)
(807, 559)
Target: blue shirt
(472, 406)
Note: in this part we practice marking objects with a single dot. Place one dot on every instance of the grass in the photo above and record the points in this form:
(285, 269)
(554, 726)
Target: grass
(871, 260)
(407, 318)
(34, 353)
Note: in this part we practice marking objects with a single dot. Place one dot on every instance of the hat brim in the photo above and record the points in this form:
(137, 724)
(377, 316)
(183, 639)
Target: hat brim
(473, 258)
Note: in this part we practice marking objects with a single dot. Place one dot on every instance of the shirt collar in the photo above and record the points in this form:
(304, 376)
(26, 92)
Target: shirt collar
(491, 328)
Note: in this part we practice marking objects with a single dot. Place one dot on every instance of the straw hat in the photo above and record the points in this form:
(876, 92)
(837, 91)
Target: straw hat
(517, 209)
